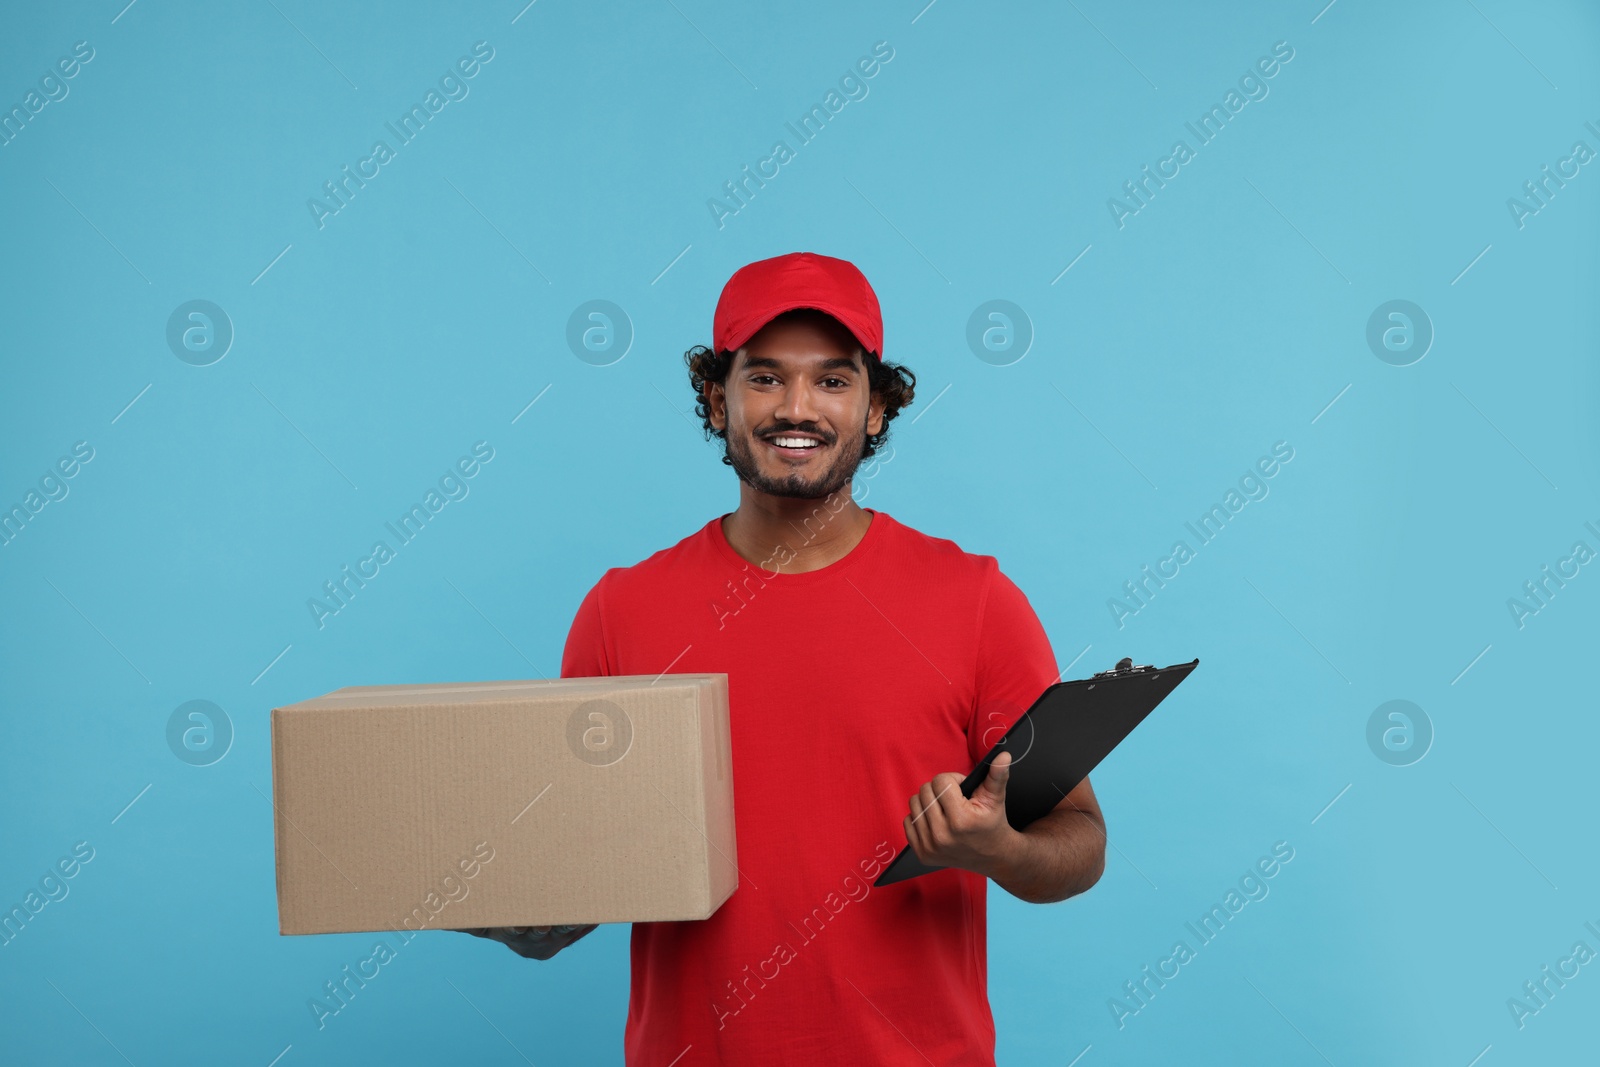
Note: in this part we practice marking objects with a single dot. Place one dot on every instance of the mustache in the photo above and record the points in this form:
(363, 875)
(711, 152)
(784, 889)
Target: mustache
(803, 428)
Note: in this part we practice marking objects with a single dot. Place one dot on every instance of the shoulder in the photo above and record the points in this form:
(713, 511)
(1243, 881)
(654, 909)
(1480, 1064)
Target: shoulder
(647, 576)
(940, 556)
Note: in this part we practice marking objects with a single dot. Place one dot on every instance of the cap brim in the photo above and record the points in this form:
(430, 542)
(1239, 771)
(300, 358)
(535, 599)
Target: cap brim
(754, 324)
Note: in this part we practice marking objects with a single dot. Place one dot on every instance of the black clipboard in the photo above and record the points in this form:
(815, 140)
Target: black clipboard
(1061, 738)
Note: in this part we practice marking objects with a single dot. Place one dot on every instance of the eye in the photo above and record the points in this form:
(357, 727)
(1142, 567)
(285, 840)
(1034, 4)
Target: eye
(836, 378)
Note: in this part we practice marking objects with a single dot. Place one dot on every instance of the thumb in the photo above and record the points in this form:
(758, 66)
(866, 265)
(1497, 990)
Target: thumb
(994, 784)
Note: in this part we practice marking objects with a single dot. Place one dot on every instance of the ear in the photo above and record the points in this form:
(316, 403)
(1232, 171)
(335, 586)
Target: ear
(717, 400)
(875, 419)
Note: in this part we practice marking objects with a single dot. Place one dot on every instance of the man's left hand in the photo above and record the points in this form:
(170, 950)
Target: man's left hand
(947, 829)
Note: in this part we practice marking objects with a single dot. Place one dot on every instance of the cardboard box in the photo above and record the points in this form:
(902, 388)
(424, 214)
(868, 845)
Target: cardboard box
(574, 800)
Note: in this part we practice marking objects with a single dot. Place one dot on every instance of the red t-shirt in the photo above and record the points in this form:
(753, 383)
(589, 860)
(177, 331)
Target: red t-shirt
(848, 688)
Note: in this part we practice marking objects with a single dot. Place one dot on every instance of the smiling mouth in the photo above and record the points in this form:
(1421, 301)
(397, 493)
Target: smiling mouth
(796, 445)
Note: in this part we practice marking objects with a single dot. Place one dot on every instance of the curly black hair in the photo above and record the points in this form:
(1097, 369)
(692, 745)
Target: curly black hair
(896, 384)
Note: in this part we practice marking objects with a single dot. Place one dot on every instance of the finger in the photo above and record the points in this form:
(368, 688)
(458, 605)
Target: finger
(947, 795)
(915, 838)
(994, 783)
(935, 821)
(918, 807)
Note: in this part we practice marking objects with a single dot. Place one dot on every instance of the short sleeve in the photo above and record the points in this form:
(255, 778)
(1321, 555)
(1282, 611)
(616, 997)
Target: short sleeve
(585, 653)
(1015, 662)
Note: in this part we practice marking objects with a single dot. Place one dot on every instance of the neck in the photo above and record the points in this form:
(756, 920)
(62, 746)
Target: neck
(815, 532)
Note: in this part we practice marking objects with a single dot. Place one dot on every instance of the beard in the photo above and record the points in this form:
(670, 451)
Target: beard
(836, 475)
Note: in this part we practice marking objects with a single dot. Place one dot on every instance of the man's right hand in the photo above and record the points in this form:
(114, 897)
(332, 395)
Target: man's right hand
(533, 942)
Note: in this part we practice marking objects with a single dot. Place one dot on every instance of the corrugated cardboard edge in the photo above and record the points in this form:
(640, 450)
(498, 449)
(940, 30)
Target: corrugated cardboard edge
(403, 690)
(722, 869)
(277, 819)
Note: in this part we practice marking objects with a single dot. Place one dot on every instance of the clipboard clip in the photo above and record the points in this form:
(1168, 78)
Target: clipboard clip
(1125, 665)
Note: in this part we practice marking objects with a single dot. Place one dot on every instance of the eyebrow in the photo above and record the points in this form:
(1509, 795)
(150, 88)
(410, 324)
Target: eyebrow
(832, 363)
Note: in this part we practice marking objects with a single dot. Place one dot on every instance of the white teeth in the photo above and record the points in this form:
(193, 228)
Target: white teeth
(795, 442)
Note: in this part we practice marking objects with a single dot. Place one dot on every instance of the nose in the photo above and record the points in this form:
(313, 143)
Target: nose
(798, 406)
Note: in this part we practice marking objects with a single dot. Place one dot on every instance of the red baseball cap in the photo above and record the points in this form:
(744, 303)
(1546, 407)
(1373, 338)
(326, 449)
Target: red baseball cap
(759, 292)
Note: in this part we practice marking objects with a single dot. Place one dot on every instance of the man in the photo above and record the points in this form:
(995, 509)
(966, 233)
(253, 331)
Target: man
(862, 657)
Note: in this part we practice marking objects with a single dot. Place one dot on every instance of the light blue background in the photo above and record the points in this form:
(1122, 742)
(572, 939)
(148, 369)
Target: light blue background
(1225, 316)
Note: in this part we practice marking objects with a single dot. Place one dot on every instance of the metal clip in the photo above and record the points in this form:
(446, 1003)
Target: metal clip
(1125, 665)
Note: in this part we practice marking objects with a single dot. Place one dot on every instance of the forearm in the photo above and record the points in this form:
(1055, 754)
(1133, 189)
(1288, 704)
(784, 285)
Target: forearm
(1055, 857)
